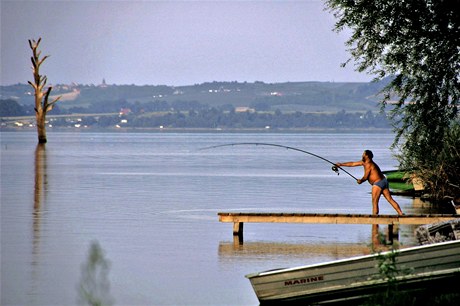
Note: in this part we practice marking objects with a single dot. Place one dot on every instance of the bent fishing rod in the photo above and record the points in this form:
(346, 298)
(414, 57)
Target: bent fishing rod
(335, 168)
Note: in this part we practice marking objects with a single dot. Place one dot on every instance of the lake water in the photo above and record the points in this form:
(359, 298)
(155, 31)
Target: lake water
(151, 201)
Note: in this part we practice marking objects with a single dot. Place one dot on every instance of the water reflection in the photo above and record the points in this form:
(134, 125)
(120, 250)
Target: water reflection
(383, 238)
(293, 250)
(40, 190)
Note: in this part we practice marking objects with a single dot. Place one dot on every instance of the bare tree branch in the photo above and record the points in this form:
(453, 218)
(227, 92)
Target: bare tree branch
(42, 106)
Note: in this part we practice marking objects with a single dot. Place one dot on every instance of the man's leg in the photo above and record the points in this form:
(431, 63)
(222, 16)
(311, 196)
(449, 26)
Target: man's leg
(376, 192)
(387, 195)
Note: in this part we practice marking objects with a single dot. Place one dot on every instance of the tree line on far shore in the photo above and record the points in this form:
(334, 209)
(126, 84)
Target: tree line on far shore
(184, 114)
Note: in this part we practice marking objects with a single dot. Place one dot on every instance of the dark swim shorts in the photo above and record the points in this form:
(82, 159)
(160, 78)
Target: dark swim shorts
(383, 184)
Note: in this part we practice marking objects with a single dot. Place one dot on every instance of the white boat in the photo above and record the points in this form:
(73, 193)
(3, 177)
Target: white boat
(433, 267)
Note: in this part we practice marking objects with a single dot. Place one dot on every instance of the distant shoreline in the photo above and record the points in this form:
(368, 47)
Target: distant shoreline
(203, 130)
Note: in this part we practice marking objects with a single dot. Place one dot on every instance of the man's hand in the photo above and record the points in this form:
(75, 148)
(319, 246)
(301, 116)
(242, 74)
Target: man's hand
(359, 181)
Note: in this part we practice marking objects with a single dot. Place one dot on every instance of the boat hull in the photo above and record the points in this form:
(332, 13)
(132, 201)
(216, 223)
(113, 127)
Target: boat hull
(356, 278)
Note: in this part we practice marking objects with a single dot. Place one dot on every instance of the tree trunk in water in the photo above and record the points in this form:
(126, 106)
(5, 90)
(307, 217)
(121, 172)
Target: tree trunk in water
(41, 130)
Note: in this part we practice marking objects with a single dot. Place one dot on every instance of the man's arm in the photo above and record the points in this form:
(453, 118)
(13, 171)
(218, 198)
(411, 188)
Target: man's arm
(355, 164)
(350, 164)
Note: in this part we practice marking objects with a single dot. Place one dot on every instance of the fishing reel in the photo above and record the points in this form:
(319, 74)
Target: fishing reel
(336, 169)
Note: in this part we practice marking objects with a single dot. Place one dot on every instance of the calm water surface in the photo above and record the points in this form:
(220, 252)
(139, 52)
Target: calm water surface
(151, 202)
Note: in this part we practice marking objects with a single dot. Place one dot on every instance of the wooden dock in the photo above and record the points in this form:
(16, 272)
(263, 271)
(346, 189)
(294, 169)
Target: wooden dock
(239, 218)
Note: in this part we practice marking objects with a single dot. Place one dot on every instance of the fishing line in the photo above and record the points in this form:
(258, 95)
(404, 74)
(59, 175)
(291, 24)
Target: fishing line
(335, 168)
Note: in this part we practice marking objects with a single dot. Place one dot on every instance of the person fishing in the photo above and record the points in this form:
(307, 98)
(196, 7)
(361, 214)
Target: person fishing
(375, 177)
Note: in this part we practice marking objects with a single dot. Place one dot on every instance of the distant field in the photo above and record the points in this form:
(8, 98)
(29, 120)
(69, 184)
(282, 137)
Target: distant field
(69, 96)
(323, 97)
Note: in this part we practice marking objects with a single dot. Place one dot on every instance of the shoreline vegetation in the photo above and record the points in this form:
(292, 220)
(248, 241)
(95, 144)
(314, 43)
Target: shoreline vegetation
(199, 130)
(209, 106)
(209, 119)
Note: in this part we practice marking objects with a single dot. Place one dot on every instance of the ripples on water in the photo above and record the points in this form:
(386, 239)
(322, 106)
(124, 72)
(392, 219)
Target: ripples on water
(151, 201)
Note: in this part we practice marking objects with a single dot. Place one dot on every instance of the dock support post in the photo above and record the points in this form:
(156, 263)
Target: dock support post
(393, 232)
(390, 233)
(237, 233)
(237, 241)
(238, 229)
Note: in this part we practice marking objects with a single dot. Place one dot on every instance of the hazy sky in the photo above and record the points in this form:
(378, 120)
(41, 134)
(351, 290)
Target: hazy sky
(174, 42)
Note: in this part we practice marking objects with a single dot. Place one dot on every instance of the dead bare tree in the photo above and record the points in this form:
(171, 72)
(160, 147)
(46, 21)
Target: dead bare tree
(42, 105)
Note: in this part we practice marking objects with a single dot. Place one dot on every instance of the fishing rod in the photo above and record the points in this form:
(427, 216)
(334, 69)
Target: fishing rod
(335, 168)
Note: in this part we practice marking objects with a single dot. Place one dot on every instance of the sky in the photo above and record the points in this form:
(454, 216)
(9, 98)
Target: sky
(174, 42)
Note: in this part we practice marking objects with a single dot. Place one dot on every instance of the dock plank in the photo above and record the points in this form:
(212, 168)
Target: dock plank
(238, 218)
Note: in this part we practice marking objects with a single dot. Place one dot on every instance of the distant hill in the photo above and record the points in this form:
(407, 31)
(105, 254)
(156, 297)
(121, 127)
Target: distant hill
(323, 97)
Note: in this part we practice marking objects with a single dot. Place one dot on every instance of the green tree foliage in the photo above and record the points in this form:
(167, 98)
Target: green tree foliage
(441, 173)
(416, 43)
(10, 107)
(94, 287)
